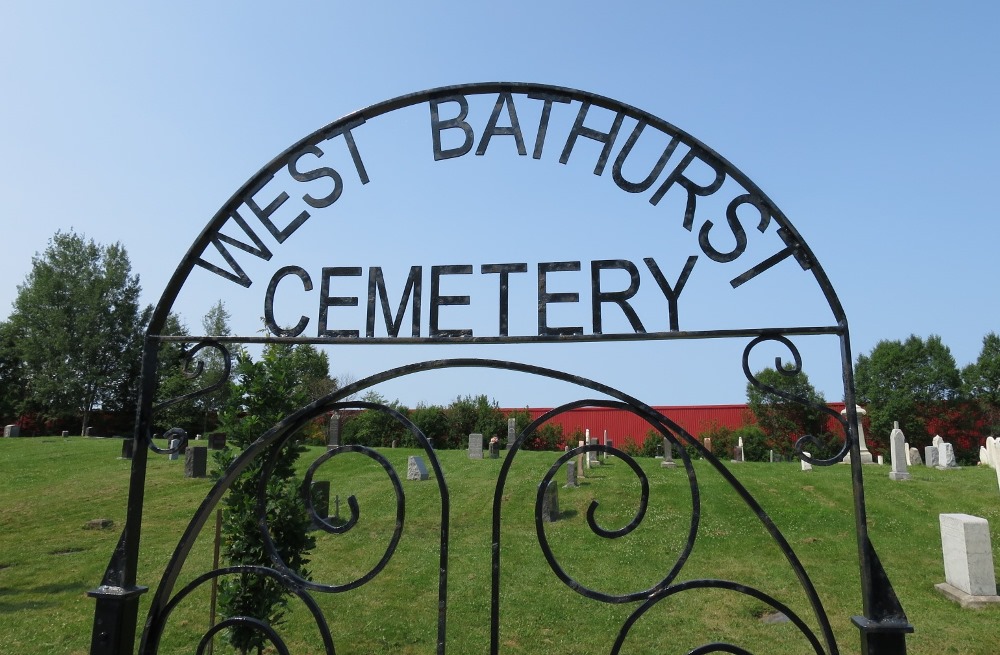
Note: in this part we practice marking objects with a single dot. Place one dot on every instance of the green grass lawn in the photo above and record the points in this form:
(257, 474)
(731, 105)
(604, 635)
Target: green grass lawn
(52, 486)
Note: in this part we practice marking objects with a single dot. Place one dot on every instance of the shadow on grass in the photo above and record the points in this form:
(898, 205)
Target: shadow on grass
(19, 600)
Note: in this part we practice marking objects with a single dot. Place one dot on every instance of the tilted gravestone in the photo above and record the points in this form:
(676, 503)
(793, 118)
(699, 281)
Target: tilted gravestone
(195, 462)
(475, 446)
(416, 469)
(968, 560)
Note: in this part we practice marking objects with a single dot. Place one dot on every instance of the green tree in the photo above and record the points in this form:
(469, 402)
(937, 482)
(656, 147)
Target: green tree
(264, 392)
(377, 429)
(13, 397)
(905, 381)
(432, 421)
(472, 414)
(175, 377)
(215, 323)
(981, 382)
(781, 419)
(79, 329)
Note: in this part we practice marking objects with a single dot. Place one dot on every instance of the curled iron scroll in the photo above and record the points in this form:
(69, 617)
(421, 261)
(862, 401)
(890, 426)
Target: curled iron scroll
(795, 370)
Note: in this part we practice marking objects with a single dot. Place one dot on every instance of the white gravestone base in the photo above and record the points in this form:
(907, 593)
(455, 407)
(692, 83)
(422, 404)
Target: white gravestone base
(968, 561)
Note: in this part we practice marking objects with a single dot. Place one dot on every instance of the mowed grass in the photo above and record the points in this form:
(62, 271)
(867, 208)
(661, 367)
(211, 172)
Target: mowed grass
(50, 487)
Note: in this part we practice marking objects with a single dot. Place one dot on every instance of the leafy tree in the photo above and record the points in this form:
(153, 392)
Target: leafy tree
(905, 381)
(432, 421)
(377, 429)
(981, 381)
(215, 323)
(79, 328)
(470, 414)
(264, 392)
(783, 420)
(174, 379)
(12, 388)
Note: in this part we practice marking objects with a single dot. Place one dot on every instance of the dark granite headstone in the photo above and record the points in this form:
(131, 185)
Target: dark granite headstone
(550, 502)
(333, 431)
(494, 450)
(217, 440)
(195, 462)
(127, 446)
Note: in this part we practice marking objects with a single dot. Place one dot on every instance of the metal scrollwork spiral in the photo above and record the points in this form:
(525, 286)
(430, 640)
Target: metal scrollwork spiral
(802, 442)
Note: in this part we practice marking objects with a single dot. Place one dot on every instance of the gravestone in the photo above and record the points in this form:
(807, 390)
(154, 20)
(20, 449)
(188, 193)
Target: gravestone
(579, 461)
(984, 457)
(770, 456)
(937, 440)
(217, 440)
(866, 456)
(89, 432)
(65, 433)
(175, 445)
(571, 474)
(550, 502)
(320, 496)
(806, 466)
(592, 454)
(931, 456)
(668, 455)
(475, 446)
(990, 452)
(707, 443)
(127, 446)
(906, 449)
(609, 443)
(511, 432)
(897, 450)
(881, 461)
(968, 560)
(915, 457)
(12, 431)
(494, 449)
(415, 468)
(738, 452)
(994, 449)
(946, 457)
(333, 430)
(196, 462)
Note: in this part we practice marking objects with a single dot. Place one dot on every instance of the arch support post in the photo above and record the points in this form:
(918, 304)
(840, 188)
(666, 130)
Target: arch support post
(115, 619)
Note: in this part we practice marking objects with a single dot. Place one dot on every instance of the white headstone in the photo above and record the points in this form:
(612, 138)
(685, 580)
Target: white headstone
(990, 452)
(984, 457)
(881, 460)
(915, 457)
(806, 466)
(906, 448)
(968, 559)
(866, 456)
(937, 440)
(994, 448)
(946, 457)
(897, 450)
(931, 456)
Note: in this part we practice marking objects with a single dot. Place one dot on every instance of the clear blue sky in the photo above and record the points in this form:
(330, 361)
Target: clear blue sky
(872, 126)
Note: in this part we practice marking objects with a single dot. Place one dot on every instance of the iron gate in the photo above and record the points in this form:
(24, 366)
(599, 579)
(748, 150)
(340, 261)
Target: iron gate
(217, 253)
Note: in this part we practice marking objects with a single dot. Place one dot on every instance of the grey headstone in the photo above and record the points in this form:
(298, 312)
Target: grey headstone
(550, 502)
(12, 431)
(127, 446)
(946, 457)
(175, 445)
(915, 457)
(415, 468)
(195, 462)
(475, 446)
(571, 474)
(511, 432)
(333, 430)
(737, 453)
(897, 450)
(668, 455)
(931, 456)
(65, 433)
(89, 432)
(592, 454)
(320, 497)
(494, 449)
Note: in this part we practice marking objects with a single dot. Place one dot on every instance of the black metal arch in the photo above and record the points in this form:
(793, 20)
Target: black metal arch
(883, 624)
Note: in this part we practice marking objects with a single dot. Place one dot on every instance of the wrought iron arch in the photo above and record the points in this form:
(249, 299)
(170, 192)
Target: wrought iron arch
(883, 623)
